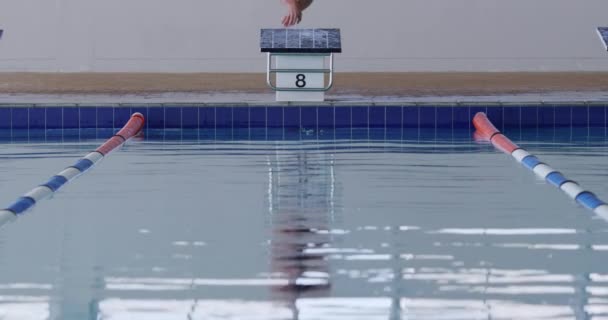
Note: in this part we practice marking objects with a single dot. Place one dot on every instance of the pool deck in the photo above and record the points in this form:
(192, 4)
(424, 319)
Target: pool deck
(366, 88)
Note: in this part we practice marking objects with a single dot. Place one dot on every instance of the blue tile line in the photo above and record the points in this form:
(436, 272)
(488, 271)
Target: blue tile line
(427, 115)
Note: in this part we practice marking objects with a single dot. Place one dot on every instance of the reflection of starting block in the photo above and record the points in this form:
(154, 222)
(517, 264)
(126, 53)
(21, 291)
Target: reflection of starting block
(300, 59)
(603, 33)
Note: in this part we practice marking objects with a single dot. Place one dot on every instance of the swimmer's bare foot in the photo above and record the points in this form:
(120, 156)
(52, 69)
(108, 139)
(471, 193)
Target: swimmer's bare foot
(294, 14)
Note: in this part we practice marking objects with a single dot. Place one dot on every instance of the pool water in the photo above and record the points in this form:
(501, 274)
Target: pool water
(305, 225)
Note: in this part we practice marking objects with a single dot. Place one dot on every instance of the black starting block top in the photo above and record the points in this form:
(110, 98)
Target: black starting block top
(1, 32)
(603, 32)
(301, 40)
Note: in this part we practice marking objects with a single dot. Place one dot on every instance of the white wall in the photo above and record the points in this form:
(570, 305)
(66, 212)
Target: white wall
(378, 35)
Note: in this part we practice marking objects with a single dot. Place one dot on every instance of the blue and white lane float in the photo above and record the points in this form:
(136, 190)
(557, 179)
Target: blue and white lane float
(485, 130)
(28, 200)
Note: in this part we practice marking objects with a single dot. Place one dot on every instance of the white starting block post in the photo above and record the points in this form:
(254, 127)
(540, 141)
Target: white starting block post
(300, 59)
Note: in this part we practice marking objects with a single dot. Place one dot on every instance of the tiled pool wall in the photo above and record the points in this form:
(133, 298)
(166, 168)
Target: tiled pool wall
(193, 116)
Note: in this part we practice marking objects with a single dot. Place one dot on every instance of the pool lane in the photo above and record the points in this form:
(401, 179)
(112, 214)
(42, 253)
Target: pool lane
(28, 200)
(487, 131)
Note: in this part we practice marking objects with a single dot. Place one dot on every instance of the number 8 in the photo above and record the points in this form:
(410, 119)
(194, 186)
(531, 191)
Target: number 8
(301, 83)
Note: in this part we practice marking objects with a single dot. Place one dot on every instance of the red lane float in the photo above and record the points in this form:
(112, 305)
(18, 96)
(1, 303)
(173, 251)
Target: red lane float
(133, 126)
(486, 131)
(484, 127)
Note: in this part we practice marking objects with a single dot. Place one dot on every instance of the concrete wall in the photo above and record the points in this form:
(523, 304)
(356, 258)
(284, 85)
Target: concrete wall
(379, 35)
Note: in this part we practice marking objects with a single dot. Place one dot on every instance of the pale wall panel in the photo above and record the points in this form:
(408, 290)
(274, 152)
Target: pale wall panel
(383, 35)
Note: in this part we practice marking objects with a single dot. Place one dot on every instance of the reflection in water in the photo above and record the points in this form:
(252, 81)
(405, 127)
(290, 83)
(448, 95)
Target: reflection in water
(302, 205)
(400, 231)
(25, 307)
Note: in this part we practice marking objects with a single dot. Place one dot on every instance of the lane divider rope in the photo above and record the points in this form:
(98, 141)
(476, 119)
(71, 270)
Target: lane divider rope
(28, 200)
(488, 132)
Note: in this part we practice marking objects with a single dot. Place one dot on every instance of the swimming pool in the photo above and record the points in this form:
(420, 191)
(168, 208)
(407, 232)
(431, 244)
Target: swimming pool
(306, 222)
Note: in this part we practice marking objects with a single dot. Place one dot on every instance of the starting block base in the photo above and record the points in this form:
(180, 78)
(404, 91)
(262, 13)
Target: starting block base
(297, 81)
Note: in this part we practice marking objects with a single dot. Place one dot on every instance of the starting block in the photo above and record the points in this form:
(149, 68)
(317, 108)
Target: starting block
(603, 33)
(300, 60)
